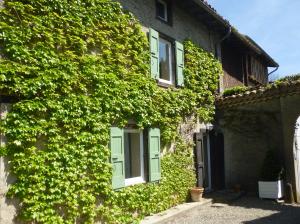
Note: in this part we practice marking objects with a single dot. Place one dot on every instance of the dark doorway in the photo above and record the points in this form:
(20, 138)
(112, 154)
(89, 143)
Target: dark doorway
(217, 160)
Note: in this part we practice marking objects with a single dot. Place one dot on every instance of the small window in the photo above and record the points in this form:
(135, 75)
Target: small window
(162, 10)
(165, 61)
(134, 158)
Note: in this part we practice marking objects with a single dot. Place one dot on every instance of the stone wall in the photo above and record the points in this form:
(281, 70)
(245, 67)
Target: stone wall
(184, 25)
(247, 141)
(290, 106)
(245, 147)
(8, 207)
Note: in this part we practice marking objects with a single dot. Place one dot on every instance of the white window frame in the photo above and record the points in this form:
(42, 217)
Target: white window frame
(140, 179)
(165, 11)
(170, 62)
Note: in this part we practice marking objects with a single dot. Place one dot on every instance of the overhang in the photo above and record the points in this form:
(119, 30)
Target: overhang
(205, 13)
(260, 94)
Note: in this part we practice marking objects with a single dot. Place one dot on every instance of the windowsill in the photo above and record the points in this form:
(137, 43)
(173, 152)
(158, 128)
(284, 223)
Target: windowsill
(164, 83)
(167, 22)
(162, 19)
(134, 181)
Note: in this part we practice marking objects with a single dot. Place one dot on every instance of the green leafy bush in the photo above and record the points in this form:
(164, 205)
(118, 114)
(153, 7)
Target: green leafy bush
(235, 90)
(290, 78)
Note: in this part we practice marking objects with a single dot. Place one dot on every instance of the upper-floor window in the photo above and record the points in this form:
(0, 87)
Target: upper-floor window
(163, 10)
(165, 61)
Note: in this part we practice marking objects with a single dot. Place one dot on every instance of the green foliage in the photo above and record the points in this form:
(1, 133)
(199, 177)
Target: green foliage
(235, 90)
(202, 72)
(290, 78)
(177, 178)
(3, 151)
(76, 68)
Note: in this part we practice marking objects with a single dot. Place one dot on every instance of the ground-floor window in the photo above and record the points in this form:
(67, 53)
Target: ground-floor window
(134, 156)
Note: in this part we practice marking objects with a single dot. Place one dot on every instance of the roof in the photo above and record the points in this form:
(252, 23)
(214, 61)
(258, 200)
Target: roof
(219, 22)
(284, 87)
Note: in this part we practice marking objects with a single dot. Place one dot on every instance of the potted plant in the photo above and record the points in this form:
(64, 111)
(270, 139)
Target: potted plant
(196, 193)
(270, 185)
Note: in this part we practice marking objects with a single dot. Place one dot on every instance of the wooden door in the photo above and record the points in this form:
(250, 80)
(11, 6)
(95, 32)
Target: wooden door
(199, 159)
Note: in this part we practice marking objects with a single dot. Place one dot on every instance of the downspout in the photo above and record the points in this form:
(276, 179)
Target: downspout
(227, 34)
(273, 71)
(219, 56)
(220, 41)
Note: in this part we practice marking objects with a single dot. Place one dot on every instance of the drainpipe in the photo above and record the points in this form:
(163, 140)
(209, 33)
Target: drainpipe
(273, 71)
(218, 56)
(224, 38)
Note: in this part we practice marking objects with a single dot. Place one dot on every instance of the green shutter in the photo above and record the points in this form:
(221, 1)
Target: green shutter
(154, 154)
(154, 50)
(179, 63)
(117, 157)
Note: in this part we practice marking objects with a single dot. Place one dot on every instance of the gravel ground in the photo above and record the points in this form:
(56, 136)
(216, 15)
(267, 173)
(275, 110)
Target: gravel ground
(247, 210)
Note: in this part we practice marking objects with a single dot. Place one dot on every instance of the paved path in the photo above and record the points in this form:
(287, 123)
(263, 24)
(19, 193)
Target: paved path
(247, 210)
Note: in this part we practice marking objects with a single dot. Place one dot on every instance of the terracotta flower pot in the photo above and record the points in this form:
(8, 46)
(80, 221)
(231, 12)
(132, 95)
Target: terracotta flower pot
(196, 193)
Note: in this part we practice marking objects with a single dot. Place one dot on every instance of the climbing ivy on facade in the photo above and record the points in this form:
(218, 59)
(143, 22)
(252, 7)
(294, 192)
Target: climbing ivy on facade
(74, 69)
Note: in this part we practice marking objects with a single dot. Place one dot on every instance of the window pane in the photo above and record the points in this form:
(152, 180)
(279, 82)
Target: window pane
(132, 155)
(164, 60)
(161, 10)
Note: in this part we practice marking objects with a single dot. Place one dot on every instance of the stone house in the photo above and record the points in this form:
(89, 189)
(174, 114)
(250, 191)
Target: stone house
(168, 23)
(244, 62)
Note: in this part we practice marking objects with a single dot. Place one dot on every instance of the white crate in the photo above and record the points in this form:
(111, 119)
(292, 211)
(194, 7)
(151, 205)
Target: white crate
(271, 189)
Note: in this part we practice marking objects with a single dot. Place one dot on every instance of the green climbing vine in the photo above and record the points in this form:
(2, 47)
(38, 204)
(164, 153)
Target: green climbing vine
(288, 80)
(74, 69)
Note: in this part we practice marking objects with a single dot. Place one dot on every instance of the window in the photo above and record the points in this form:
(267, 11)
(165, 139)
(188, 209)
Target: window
(165, 61)
(128, 156)
(162, 10)
(134, 157)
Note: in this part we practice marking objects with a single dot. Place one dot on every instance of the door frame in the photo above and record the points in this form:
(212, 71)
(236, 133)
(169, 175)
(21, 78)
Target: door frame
(208, 162)
(201, 151)
(296, 152)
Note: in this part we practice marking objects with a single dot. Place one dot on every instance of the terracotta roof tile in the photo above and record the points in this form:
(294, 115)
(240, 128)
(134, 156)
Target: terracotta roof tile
(260, 94)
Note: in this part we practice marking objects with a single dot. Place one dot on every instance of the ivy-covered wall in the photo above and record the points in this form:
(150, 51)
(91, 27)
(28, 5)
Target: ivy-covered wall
(75, 68)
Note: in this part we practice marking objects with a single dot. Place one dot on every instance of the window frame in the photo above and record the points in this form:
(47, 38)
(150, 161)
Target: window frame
(168, 11)
(141, 179)
(165, 4)
(171, 61)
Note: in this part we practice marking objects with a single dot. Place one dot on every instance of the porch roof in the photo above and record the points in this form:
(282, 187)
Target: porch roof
(260, 94)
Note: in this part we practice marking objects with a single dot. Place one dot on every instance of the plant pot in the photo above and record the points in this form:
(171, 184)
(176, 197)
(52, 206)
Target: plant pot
(196, 193)
(270, 189)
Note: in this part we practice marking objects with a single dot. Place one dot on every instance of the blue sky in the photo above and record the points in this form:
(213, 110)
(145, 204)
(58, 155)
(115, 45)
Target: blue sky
(273, 24)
